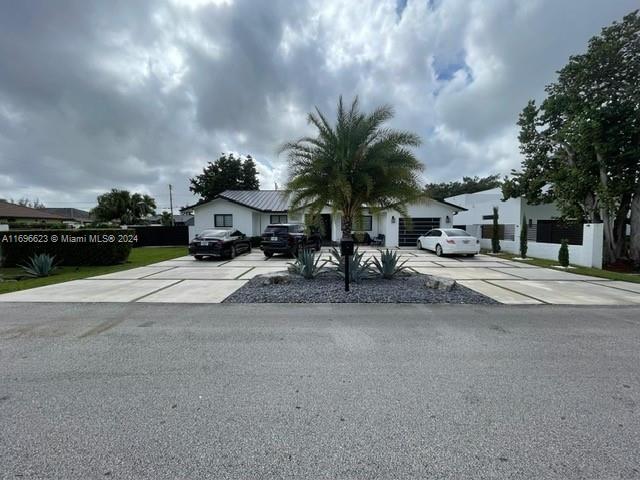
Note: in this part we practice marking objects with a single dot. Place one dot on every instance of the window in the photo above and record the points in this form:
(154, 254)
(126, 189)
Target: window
(364, 224)
(223, 220)
(278, 219)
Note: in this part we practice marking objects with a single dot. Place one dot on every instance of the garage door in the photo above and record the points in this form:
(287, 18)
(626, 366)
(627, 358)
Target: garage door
(408, 234)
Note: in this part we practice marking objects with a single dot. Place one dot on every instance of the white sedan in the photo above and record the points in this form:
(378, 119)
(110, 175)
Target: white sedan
(449, 240)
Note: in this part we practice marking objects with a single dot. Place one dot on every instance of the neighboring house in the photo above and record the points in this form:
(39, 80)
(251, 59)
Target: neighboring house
(251, 211)
(12, 213)
(183, 219)
(545, 231)
(72, 216)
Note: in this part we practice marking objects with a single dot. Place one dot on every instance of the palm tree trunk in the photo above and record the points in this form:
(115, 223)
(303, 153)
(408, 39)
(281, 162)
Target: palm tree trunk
(347, 225)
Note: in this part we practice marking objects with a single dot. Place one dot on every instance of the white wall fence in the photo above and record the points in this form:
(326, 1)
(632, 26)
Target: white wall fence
(589, 254)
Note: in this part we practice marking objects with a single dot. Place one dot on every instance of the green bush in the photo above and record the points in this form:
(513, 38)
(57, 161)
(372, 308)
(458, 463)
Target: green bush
(39, 266)
(495, 232)
(358, 269)
(306, 264)
(563, 253)
(387, 266)
(37, 226)
(70, 247)
(524, 230)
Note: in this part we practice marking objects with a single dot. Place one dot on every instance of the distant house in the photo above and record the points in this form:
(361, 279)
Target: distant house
(250, 211)
(182, 219)
(72, 216)
(13, 213)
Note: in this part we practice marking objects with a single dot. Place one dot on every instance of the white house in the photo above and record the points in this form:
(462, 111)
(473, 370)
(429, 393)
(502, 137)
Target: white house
(544, 231)
(251, 211)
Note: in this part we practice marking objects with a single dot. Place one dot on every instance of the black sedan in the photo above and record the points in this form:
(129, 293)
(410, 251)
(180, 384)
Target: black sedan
(219, 243)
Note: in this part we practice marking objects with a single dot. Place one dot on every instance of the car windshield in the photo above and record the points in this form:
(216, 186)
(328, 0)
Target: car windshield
(456, 232)
(214, 234)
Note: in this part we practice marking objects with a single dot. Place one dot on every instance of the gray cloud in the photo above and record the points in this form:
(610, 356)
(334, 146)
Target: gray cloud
(95, 95)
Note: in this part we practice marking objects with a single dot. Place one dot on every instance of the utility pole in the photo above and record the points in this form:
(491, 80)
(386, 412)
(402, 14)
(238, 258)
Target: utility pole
(171, 205)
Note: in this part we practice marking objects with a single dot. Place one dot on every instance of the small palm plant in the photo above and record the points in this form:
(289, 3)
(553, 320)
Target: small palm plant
(358, 269)
(40, 265)
(306, 264)
(388, 266)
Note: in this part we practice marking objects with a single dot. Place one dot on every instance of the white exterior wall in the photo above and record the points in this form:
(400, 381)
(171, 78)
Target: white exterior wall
(429, 209)
(204, 216)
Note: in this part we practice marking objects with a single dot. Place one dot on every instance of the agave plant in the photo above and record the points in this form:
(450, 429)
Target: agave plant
(388, 266)
(306, 264)
(358, 269)
(39, 265)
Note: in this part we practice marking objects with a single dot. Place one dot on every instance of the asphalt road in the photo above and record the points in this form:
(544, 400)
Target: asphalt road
(131, 391)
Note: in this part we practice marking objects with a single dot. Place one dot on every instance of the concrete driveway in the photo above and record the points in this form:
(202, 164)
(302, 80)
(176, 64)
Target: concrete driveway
(185, 280)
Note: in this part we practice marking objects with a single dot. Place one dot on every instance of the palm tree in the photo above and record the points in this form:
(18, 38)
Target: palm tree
(354, 164)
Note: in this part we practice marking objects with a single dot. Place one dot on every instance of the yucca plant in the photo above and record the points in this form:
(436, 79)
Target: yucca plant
(358, 269)
(306, 264)
(388, 266)
(39, 265)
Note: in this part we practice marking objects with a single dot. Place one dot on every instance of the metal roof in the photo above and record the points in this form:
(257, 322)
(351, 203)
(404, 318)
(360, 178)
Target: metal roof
(261, 200)
(69, 213)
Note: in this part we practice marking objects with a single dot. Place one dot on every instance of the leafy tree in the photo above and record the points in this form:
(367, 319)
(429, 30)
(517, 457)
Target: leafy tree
(352, 163)
(166, 219)
(581, 146)
(226, 173)
(495, 232)
(122, 206)
(440, 191)
(524, 230)
(563, 254)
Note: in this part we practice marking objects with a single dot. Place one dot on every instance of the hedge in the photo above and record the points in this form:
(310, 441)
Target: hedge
(70, 247)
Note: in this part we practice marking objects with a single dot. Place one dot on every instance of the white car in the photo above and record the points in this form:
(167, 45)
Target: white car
(449, 240)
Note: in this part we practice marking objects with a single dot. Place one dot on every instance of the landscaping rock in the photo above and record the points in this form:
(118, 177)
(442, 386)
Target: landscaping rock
(274, 278)
(439, 283)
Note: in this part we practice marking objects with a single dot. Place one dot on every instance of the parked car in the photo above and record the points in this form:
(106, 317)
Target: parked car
(288, 238)
(449, 240)
(219, 243)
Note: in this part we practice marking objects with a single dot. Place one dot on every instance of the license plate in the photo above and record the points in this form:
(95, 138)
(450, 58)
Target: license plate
(274, 239)
(204, 244)
(466, 241)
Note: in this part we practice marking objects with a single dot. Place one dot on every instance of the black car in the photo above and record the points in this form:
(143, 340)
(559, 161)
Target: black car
(288, 238)
(219, 243)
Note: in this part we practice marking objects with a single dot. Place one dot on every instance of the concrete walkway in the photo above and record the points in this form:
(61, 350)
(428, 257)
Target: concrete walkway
(184, 280)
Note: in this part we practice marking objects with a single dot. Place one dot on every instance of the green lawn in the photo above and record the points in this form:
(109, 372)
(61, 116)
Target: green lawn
(594, 272)
(138, 258)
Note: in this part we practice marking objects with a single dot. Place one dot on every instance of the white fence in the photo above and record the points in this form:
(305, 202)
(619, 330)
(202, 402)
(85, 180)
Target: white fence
(589, 254)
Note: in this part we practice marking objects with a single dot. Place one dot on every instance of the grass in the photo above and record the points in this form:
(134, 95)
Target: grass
(139, 257)
(594, 272)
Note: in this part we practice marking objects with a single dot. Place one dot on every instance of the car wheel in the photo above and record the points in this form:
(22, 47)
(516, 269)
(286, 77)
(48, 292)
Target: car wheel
(233, 253)
(268, 254)
(199, 257)
(471, 254)
(419, 245)
(438, 250)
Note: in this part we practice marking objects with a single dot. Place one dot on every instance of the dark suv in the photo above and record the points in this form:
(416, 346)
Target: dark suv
(288, 238)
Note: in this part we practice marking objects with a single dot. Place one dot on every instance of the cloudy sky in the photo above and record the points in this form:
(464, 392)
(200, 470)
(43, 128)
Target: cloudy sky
(140, 94)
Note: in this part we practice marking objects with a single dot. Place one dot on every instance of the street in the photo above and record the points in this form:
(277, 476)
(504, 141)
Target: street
(165, 391)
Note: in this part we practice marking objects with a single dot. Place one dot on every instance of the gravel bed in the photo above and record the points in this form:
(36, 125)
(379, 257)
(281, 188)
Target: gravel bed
(330, 289)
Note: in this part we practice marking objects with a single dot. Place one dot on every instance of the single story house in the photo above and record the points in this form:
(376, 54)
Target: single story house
(544, 229)
(13, 213)
(72, 216)
(250, 211)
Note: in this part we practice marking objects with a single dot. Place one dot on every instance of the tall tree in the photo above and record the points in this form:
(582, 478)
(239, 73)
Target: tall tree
(352, 163)
(581, 147)
(440, 191)
(226, 173)
(122, 206)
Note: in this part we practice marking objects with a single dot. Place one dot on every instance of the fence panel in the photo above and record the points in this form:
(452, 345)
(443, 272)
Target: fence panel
(158, 236)
(554, 231)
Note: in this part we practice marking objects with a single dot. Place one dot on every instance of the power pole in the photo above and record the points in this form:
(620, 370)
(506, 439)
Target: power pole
(171, 205)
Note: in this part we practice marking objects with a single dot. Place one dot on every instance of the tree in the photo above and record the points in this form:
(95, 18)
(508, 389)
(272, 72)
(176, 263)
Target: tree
(166, 219)
(563, 254)
(440, 191)
(226, 173)
(122, 206)
(524, 230)
(353, 163)
(26, 202)
(495, 232)
(581, 146)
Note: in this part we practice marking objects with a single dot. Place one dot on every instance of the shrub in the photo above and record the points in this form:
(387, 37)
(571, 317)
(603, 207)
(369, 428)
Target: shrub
(524, 229)
(39, 266)
(358, 269)
(70, 247)
(37, 226)
(306, 264)
(563, 253)
(388, 266)
(495, 232)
